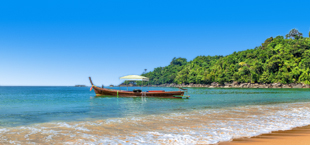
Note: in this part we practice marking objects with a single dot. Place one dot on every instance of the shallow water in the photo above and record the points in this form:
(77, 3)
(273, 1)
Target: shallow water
(70, 115)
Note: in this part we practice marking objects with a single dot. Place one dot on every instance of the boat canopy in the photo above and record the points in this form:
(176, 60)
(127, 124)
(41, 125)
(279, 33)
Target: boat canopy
(135, 77)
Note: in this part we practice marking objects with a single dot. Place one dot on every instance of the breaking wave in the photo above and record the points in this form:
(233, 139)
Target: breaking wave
(207, 126)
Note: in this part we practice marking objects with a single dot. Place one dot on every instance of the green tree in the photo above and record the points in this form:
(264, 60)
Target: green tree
(294, 33)
(267, 41)
(264, 78)
(305, 76)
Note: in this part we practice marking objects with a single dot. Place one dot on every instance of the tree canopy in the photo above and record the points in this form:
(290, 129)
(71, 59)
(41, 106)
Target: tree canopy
(294, 33)
(277, 60)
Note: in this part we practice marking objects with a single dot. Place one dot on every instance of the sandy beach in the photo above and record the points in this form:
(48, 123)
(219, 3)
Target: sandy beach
(296, 136)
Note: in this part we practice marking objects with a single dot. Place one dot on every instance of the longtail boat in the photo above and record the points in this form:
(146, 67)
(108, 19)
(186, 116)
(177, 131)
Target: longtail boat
(136, 93)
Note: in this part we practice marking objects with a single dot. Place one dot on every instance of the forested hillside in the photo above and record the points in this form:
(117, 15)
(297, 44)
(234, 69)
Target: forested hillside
(277, 60)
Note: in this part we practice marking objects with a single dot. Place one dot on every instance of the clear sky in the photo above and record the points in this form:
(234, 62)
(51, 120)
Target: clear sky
(63, 42)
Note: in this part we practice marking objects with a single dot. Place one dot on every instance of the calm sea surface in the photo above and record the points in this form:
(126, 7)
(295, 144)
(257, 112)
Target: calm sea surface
(73, 115)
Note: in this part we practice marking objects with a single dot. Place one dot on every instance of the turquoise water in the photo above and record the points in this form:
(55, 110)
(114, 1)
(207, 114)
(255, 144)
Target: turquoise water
(73, 115)
(28, 105)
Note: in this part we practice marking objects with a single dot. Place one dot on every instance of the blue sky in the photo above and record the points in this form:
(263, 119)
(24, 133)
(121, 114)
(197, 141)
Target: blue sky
(57, 42)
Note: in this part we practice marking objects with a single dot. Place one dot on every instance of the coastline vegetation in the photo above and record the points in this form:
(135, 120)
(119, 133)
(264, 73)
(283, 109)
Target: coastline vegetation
(278, 60)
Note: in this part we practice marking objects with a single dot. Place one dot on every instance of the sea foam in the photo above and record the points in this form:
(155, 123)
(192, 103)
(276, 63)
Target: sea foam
(207, 126)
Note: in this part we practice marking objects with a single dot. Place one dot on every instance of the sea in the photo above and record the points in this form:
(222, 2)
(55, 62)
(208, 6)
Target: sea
(74, 115)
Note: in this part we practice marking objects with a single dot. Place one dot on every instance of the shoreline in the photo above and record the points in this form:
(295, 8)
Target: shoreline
(230, 85)
(215, 125)
(298, 135)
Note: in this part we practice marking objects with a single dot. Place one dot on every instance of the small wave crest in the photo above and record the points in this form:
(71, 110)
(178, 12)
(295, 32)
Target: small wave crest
(208, 126)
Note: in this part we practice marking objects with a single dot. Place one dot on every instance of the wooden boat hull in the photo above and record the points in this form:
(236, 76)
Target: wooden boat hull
(121, 93)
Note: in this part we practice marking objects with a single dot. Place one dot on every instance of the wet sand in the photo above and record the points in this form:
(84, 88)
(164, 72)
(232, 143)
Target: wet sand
(296, 136)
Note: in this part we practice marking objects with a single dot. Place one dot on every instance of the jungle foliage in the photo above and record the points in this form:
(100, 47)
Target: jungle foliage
(277, 60)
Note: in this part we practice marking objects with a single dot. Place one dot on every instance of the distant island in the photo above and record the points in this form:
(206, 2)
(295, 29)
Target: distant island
(79, 86)
(280, 61)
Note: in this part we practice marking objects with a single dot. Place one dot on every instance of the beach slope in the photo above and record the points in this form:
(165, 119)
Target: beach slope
(296, 136)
